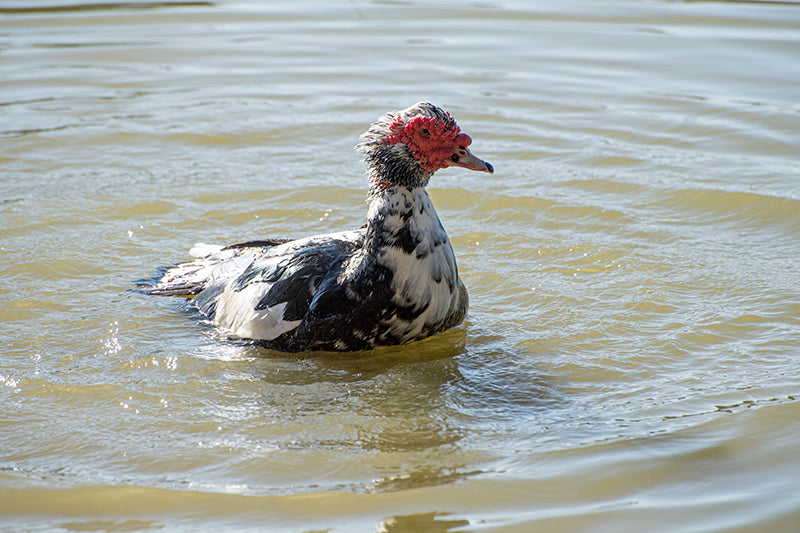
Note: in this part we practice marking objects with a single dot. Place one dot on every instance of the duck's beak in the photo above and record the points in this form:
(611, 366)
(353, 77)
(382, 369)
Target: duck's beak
(464, 158)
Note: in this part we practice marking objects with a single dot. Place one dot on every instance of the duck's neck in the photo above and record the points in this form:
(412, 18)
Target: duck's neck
(405, 236)
(403, 218)
(392, 165)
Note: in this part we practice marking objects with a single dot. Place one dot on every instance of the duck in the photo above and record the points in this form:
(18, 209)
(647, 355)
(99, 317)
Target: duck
(393, 281)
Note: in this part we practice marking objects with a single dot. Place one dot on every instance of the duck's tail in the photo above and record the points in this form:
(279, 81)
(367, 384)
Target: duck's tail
(212, 264)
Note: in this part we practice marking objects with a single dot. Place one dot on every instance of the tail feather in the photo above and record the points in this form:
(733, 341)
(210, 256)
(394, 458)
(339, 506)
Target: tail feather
(156, 288)
(212, 263)
(177, 280)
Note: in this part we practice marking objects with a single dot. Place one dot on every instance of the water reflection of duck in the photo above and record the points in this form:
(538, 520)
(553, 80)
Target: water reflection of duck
(392, 281)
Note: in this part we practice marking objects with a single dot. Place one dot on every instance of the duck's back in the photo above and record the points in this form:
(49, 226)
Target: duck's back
(265, 290)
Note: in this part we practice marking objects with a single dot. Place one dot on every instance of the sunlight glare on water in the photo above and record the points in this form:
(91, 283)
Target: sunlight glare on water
(630, 360)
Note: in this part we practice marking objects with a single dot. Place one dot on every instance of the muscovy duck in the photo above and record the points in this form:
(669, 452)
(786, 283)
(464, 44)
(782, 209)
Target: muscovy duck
(392, 281)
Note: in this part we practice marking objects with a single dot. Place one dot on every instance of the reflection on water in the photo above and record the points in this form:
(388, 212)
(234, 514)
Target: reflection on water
(630, 358)
(429, 522)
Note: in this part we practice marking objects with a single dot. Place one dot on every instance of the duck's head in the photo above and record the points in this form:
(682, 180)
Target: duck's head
(406, 147)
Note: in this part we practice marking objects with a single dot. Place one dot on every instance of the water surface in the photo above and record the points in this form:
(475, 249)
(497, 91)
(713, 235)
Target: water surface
(631, 357)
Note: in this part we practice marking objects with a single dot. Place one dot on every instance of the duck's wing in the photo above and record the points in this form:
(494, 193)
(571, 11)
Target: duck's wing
(260, 289)
(272, 295)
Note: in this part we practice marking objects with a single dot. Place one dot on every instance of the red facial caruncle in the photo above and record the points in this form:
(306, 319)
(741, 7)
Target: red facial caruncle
(432, 141)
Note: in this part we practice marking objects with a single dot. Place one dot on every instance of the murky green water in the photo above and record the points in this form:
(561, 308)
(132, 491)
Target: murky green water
(632, 355)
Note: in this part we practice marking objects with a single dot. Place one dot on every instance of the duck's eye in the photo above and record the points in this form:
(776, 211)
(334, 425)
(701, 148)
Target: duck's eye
(425, 132)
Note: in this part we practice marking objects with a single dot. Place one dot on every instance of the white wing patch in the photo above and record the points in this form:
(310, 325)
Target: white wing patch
(236, 314)
(202, 250)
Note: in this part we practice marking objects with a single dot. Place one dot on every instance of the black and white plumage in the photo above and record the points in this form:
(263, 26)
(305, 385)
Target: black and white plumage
(393, 281)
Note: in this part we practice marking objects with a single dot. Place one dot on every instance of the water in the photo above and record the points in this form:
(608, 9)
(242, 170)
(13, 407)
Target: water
(631, 358)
